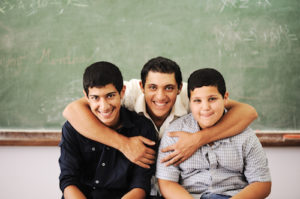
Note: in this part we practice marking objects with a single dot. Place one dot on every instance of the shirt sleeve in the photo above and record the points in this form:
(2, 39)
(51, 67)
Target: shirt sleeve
(256, 163)
(70, 159)
(171, 172)
(133, 91)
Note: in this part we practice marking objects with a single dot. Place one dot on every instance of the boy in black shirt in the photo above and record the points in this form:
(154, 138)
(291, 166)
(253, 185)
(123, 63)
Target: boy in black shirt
(90, 169)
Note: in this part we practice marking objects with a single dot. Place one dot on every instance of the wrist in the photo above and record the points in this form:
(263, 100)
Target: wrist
(121, 143)
(202, 137)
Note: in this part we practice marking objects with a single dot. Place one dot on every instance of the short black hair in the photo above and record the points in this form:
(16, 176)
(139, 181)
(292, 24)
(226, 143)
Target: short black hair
(161, 65)
(206, 77)
(101, 74)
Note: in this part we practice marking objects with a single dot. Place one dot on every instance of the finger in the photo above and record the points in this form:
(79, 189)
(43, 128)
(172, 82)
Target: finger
(149, 156)
(150, 151)
(141, 164)
(179, 161)
(146, 161)
(168, 148)
(173, 161)
(147, 141)
(169, 157)
(173, 134)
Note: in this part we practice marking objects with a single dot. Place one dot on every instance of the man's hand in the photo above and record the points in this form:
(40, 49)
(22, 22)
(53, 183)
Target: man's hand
(184, 148)
(136, 151)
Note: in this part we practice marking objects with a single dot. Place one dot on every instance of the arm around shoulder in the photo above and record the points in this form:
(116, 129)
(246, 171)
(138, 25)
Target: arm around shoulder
(238, 118)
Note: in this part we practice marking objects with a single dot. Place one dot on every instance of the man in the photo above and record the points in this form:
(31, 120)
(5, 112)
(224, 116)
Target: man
(93, 170)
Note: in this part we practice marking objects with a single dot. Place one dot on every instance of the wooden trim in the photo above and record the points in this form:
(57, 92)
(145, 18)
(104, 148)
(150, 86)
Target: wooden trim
(52, 138)
(24, 138)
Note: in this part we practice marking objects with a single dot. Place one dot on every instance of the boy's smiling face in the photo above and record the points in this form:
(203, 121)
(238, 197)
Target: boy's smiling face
(105, 103)
(207, 105)
(160, 91)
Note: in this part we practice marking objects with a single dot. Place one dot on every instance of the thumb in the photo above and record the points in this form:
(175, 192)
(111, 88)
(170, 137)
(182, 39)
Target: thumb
(146, 141)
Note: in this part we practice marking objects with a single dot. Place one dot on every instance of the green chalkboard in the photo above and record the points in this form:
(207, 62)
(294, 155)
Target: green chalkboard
(46, 44)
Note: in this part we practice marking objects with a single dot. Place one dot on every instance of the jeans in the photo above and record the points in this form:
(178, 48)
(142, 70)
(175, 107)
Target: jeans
(214, 196)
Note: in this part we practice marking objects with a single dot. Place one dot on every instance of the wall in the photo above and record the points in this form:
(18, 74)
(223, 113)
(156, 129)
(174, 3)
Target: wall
(32, 172)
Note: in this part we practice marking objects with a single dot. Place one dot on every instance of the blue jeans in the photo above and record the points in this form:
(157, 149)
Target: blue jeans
(214, 196)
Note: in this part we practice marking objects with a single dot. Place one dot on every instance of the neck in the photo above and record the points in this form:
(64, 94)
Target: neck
(158, 121)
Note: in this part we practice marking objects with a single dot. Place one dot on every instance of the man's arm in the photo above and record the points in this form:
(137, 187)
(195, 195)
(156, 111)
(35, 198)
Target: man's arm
(72, 192)
(238, 117)
(257, 190)
(78, 113)
(136, 193)
(173, 190)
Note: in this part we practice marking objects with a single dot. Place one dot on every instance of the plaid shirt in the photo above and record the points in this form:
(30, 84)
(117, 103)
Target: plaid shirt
(225, 167)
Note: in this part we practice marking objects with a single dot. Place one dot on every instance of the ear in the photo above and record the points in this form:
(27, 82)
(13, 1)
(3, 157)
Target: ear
(122, 93)
(142, 87)
(226, 97)
(179, 89)
(85, 95)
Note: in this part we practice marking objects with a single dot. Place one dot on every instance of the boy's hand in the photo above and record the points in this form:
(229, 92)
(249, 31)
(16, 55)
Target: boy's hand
(184, 148)
(136, 151)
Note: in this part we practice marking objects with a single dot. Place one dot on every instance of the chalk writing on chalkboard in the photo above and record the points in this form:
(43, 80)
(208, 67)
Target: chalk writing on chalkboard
(33, 6)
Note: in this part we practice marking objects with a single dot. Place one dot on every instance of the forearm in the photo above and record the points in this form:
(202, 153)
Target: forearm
(78, 113)
(136, 193)
(257, 190)
(238, 117)
(72, 192)
(173, 190)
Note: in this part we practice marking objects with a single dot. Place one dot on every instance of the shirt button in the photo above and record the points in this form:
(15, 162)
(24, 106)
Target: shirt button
(93, 148)
(103, 164)
(97, 181)
(94, 188)
(107, 148)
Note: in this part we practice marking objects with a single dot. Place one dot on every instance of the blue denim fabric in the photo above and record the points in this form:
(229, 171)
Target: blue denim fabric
(214, 196)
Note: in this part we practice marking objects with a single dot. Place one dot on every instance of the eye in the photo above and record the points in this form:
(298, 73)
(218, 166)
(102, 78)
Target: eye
(197, 101)
(212, 99)
(169, 88)
(152, 87)
(94, 98)
(111, 95)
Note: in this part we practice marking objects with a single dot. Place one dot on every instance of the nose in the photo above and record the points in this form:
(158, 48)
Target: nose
(160, 95)
(103, 105)
(205, 105)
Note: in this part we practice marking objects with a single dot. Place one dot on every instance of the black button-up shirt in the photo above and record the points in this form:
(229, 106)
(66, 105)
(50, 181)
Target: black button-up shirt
(100, 171)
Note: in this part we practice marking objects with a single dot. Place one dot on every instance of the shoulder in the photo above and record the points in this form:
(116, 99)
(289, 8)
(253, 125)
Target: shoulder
(68, 128)
(186, 123)
(69, 134)
(246, 138)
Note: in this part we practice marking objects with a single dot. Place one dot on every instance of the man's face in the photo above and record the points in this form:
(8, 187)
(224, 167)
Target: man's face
(160, 93)
(105, 103)
(207, 105)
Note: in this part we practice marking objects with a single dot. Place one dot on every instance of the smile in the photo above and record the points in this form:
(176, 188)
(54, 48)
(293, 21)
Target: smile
(160, 104)
(106, 114)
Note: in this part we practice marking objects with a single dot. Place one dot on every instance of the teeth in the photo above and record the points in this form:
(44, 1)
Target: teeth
(105, 114)
(160, 104)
